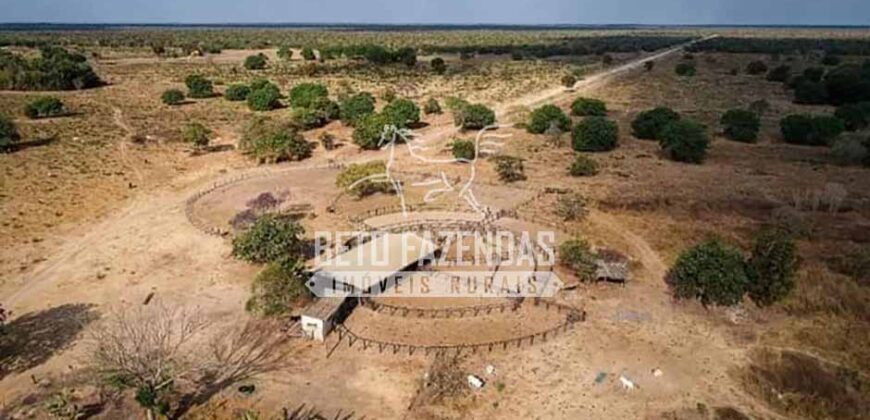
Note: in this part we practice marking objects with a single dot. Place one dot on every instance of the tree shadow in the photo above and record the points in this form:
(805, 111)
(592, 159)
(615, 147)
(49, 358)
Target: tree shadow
(32, 143)
(33, 338)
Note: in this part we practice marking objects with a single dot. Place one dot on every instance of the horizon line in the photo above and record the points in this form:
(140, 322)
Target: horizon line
(434, 24)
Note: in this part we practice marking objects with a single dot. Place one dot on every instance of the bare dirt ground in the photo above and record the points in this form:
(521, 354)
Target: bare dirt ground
(118, 241)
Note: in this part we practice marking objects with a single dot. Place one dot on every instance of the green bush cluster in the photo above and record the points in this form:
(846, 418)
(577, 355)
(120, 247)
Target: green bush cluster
(198, 86)
(402, 112)
(853, 149)
(285, 53)
(355, 107)
(583, 166)
(543, 117)
(54, 69)
(264, 99)
(595, 134)
(741, 125)
(172, 97)
(351, 179)
(269, 141)
(509, 168)
(473, 116)
(196, 134)
(369, 129)
(577, 255)
(685, 69)
(304, 95)
(588, 107)
(684, 141)
(278, 288)
(463, 149)
(256, 62)
(44, 107)
(648, 124)
(438, 66)
(855, 116)
(9, 136)
(431, 107)
(307, 54)
(237, 92)
(569, 80)
(271, 238)
(810, 130)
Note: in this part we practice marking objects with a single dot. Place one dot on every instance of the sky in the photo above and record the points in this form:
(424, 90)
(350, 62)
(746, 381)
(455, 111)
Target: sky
(535, 12)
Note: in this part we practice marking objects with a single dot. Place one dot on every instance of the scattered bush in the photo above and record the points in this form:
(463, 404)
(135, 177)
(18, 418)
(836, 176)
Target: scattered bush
(237, 92)
(569, 80)
(198, 86)
(388, 95)
(583, 166)
(272, 238)
(54, 69)
(585, 107)
(44, 107)
(278, 288)
(851, 150)
(756, 67)
(196, 134)
(264, 99)
(308, 54)
(779, 74)
(855, 116)
(685, 69)
(759, 107)
(541, 118)
(258, 84)
(572, 207)
(712, 272)
(304, 95)
(649, 124)
(509, 168)
(172, 97)
(810, 93)
(351, 179)
(269, 141)
(473, 117)
(402, 112)
(438, 65)
(595, 134)
(256, 62)
(810, 130)
(285, 53)
(463, 149)
(431, 107)
(577, 255)
(685, 141)
(848, 83)
(772, 266)
(327, 140)
(356, 107)
(830, 60)
(814, 74)
(308, 118)
(454, 103)
(649, 65)
(9, 136)
(369, 129)
(741, 125)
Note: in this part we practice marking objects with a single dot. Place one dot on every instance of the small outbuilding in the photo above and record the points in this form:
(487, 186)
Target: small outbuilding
(612, 271)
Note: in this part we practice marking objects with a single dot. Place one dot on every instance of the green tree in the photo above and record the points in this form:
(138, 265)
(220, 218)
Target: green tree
(855, 116)
(172, 97)
(369, 129)
(649, 124)
(583, 166)
(271, 238)
(198, 86)
(810, 130)
(269, 141)
(9, 136)
(196, 134)
(355, 107)
(256, 62)
(741, 125)
(263, 99)
(278, 288)
(285, 53)
(810, 93)
(237, 92)
(353, 179)
(595, 134)
(308, 54)
(463, 149)
(541, 118)
(585, 107)
(306, 94)
(402, 112)
(44, 107)
(473, 117)
(438, 66)
(772, 266)
(713, 272)
(685, 141)
(577, 255)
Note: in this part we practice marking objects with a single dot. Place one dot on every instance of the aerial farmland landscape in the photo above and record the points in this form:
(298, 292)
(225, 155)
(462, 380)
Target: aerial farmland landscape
(434, 210)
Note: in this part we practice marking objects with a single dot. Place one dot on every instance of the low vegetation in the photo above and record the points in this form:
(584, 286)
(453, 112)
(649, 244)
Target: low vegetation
(649, 124)
(542, 118)
(402, 112)
(237, 92)
(595, 134)
(53, 69)
(9, 136)
(572, 207)
(577, 255)
(44, 107)
(304, 95)
(278, 288)
(172, 97)
(712, 272)
(370, 130)
(741, 125)
(583, 166)
(357, 179)
(272, 238)
(199, 87)
(810, 130)
(588, 107)
(356, 107)
(509, 168)
(464, 150)
(270, 141)
(256, 62)
(684, 141)
(473, 116)
(196, 134)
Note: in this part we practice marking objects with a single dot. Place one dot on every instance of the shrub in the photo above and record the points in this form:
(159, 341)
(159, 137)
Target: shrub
(509, 168)
(588, 107)
(406, 56)
(814, 74)
(327, 109)
(196, 134)
(263, 99)
(307, 118)
(44, 107)
(9, 136)
(356, 107)
(307, 54)
(779, 74)
(258, 84)
(327, 140)
(54, 69)
(848, 83)
(463, 149)
(473, 117)
(172, 97)
(285, 53)
(402, 112)
(851, 150)
(541, 118)
(269, 141)
(569, 80)
(810, 93)
(368, 131)
(278, 288)
(388, 95)
(577, 255)
(305, 94)
(712, 272)
(810, 130)
(351, 179)
(198, 86)
(649, 65)
(855, 116)
(438, 65)
(606, 59)
(271, 238)
(256, 62)
(741, 125)
(771, 268)
(756, 67)
(759, 107)
(572, 207)
(830, 60)
(237, 92)
(649, 124)
(583, 166)
(685, 69)
(431, 107)
(685, 141)
(455, 104)
(595, 134)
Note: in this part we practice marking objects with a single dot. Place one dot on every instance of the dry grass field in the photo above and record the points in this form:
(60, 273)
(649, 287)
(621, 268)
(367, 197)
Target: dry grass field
(98, 217)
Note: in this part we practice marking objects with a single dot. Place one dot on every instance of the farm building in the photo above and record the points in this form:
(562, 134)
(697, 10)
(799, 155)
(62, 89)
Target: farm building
(340, 277)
